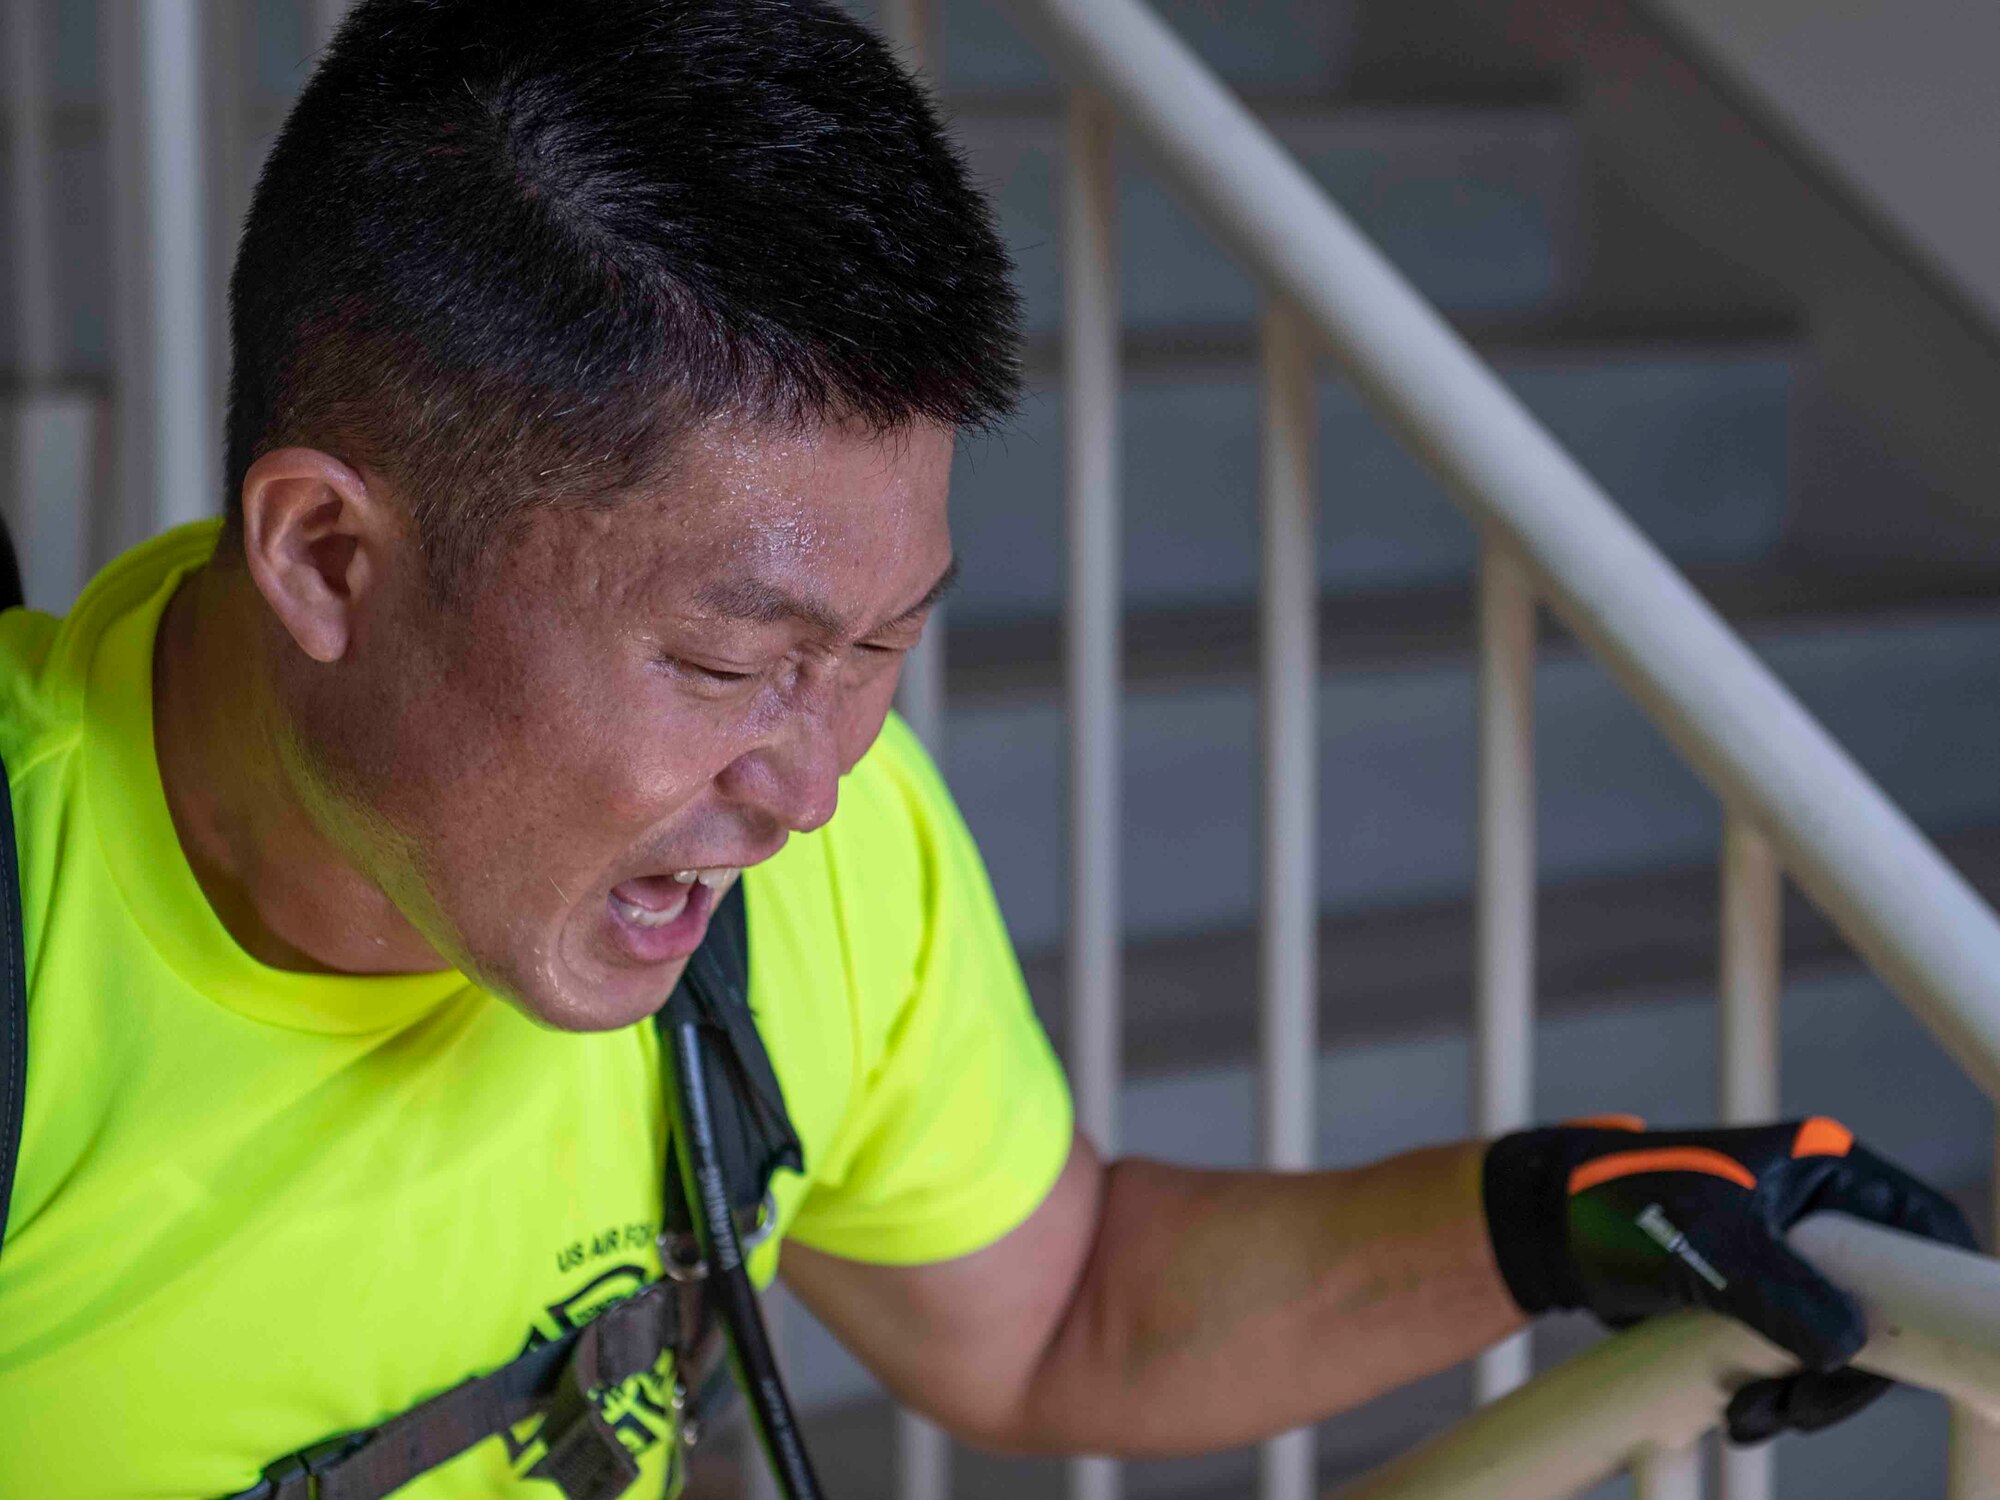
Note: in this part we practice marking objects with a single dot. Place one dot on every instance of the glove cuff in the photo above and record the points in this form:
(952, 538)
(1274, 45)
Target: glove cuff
(1524, 1185)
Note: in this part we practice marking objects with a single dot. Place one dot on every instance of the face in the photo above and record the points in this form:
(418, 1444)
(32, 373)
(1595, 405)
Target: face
(555, 776)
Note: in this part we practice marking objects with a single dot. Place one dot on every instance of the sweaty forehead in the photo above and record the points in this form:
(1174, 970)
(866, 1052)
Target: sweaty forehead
(750, 524)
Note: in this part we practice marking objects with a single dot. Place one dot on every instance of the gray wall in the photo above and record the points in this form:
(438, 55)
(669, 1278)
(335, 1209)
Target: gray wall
(1898, 95)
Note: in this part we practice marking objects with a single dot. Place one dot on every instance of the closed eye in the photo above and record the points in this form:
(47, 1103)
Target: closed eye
(711, 674)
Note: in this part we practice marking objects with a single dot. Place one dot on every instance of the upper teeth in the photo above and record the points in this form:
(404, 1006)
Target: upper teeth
(714, 879)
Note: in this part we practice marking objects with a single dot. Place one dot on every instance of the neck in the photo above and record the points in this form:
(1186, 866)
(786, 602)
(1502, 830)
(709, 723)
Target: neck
(285, 891)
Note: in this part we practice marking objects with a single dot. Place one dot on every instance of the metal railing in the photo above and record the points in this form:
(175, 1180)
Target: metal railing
(1795, 803)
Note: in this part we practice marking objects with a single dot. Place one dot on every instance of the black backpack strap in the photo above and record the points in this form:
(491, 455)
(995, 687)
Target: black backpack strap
(753, 1130)
(730, 1134)
(585, 1458)
(13, 1005)
(11, 592)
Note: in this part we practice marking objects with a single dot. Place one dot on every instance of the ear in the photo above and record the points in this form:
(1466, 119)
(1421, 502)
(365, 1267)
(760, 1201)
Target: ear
(319, 541)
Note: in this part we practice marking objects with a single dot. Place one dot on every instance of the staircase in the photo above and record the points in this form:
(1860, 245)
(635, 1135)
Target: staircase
(1506, 160)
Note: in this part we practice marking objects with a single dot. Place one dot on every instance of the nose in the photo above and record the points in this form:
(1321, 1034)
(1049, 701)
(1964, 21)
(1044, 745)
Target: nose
(793, 775)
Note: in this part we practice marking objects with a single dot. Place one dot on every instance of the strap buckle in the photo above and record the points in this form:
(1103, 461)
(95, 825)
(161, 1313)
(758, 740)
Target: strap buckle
(680, 1258)
(680, 1253)
(766, 1223)
(297, 1475)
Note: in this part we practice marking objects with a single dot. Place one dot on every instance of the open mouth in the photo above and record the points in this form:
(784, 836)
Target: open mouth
(658, 918)
(659, 901)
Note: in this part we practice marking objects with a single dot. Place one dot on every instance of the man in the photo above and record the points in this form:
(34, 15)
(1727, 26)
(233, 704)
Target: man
(596, 377)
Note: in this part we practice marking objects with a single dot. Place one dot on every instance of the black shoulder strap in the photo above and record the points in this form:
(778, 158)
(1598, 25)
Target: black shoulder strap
(753, 1129)
(10, 572)
(13, 1005)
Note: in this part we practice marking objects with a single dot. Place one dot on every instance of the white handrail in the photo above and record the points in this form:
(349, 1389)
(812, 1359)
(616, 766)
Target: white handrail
(1894, 897)
(1934, 1317)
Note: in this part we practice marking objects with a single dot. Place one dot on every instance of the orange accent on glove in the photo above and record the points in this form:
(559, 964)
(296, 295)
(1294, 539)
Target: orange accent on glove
(1666, 1159)
(1820, 1136)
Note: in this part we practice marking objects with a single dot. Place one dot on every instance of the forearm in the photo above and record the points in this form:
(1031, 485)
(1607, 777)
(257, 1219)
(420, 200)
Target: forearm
(1219, 1307)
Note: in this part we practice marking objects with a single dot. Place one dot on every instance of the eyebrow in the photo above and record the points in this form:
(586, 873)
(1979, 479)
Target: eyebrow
(947, 581)
(765, 603)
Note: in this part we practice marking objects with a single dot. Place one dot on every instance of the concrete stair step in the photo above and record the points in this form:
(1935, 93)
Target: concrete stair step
(1255, 44)
(1454, 49)
(1022, 657)
(1191, 998)
(1571, 333)
(1336, 46)
(1475, 203)
(1912, 691)
(1692, 437)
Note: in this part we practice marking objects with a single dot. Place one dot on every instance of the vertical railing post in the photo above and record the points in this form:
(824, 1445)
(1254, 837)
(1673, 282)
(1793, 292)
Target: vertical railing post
(167, 408)
(122, 518)
(229, 149)
(923, 1459)
(1289, 967)
(923, 1452)
(1091, 392)
(1751, 979)
(1504, 988)
(324, 17)
(909, 25)
(51, 436)
(1973, 1457)
(1667, 1473)
(28, 209)
(1751, 974)
(177, 176)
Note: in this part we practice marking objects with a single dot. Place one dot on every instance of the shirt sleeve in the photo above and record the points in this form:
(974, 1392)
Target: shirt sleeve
(964, 1119)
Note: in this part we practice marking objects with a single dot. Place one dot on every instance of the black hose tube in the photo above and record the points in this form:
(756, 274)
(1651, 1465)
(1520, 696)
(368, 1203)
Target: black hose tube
(730, 1290)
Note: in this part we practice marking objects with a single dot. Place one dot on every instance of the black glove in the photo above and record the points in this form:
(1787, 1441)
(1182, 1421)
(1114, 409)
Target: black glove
(1626, 1223)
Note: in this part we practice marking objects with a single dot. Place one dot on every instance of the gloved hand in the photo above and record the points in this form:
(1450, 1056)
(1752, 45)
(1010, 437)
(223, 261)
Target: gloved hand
(1627, 1223)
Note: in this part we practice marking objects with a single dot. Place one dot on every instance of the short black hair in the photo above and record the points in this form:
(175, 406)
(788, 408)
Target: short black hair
(505, 251)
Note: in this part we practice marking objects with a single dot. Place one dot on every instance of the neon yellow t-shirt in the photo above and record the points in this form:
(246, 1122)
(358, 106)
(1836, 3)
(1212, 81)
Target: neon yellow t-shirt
(258, 1208)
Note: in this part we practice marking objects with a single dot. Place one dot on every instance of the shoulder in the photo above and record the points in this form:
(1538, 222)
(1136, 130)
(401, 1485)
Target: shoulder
(933, 1111)
(40, 703)
(48, 668)
(842, 924)
(896, 814)
(891, 835)
(45, 660)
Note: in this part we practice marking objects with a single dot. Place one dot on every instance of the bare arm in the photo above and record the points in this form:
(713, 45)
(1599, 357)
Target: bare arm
(1154, 1310)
